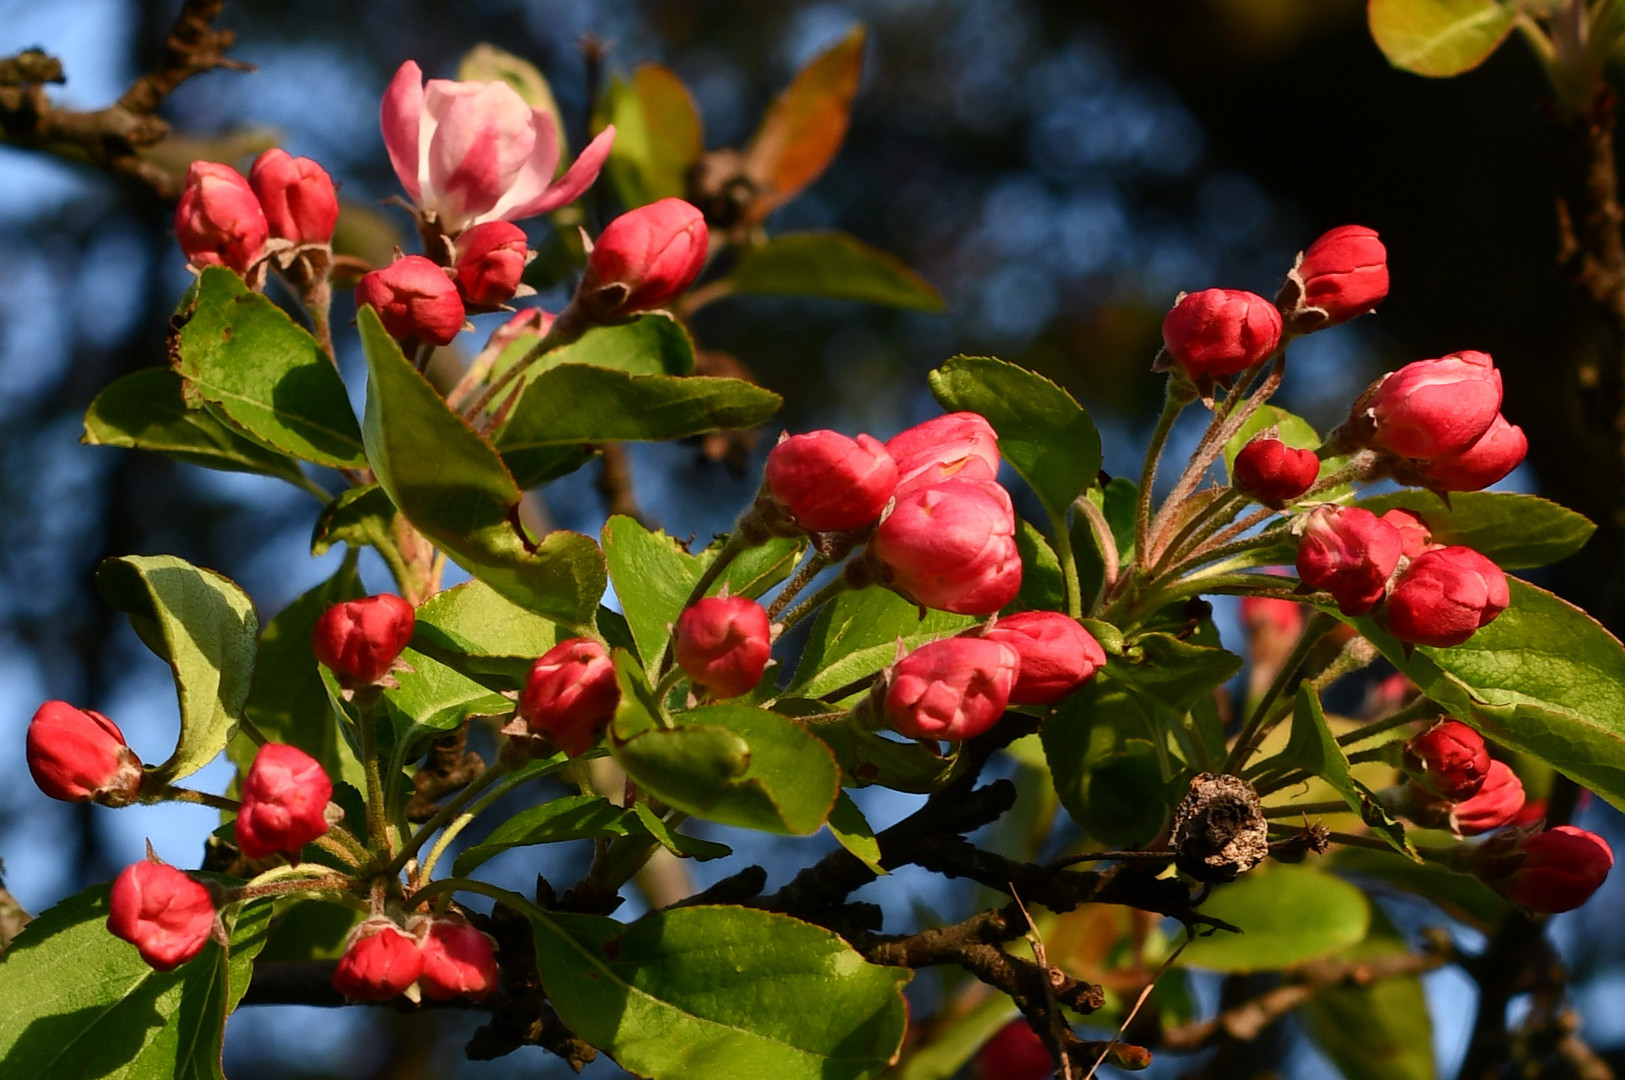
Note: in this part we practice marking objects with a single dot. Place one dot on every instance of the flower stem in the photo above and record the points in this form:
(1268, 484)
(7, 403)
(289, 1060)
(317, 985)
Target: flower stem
(1416, 710)
(800, 580)
(508, 784)
(1332, 806)
(1178, 394)
(815, 601)
(377, 830)
(170, 793)
(447, 813)
(1069, 565)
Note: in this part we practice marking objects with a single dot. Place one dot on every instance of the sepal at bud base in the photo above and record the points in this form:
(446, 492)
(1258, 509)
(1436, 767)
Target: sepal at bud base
(1342, 274)
(643, 260)
(79, 755)
(1449, 759)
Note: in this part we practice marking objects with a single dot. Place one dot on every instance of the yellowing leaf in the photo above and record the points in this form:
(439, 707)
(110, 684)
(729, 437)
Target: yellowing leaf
(806, 125)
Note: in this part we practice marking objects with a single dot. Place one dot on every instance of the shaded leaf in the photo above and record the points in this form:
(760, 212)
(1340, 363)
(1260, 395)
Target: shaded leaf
(805, 126)
(1042, 588)
(1312, 747)
(359, 516)
(1289, 914)
(571, 817)
(856, 635)
(1378, 1030)
(477, 630)
(1172, 671)
(684, 847)
(832, 265)
(1106, 774)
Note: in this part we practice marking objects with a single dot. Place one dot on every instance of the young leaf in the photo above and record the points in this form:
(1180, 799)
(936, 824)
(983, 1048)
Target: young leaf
(679, 844)
(1288, 914)
(1439, 37)
(570, 817)
(856, 635)
(360, 516)
(806, 125)
(870, 757)
(651, 344)
(848, 825)
(475, 629)
(1106, 774)
(831, 265)
(658, 137)
(1514, 530)
(433, 699)
(1312, 747)
(1172, 671)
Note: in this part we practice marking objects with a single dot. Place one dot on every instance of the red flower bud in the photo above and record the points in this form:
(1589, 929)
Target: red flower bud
(1221, 331)
(829, 482)
(491, 261)
(414, 298)
(359, 639)
(77, 755)
(1444, 596)
(952, 546)
(1274, 473)
(166, 915)
(1496, 804)
(381, 962)
(1344, 273)
(645, 259)
(457, 959)
(1496, 453)
(952, 689)
(1349, 552)
(219, 221)
(958, 446)
(297, 196)
(1261, 614)
(1015, 1053)
(1449, 759)
(723, 643)
(1433, 408)
(571, 695)
(285, 796)
(1057, 655)
(1415, 536)
(1560, 870)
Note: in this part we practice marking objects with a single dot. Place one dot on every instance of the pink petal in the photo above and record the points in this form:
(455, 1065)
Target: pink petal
(399, 116)
(537, 173)
(577, 179)
(482, 139)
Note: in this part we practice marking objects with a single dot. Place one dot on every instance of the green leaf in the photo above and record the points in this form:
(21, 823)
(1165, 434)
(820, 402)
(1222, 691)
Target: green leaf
(872, 757)
(77, 1002)
(572, 817)
(657, 135)
(242, 354)
(475, 629)
(856, 635)
(1106, 774)
(684, 847)
(1041, 586)
(1289, 914)
(651, 344)
(1461, 896)
(721, 993)
(204, 627)
(848, 825)
(453, 487)
(757, 569)
(360, 516)
(1439, 37)
(433, 699)
(1174, 672)
(1378, 1030)
(1516, 531)
(1312, 747)
(1044, 434)
(653, 575)
(831, 265)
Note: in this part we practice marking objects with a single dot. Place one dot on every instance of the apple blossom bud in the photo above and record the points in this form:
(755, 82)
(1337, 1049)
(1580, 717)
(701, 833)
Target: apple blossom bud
(1559, 871)
(723, 644)
(1495, 454)
(1344, 273)
(359, 639)
(958, 446)
(297, 196)
(491, 262)
(78, 755)
(644, 259)
(952, 546)
(381, 961)
(1496, 803)
(285, 796)
(1274, 473)
(829, 482)
(1432, 408)
(218, 220)
(1415, 536)
(1015, 1053)
(1057, 654)
(415, 299)
(950, 690)
(1350, 553)
(1444, 596)
(457, 960)
(1449, 759)
(570, 695)
(165, 914)
(1221, 331)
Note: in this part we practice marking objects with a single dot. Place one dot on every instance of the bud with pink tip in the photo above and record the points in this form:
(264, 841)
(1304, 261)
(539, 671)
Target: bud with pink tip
(1274, 473)
(1559, 870)
(1497, 802)
(950, 690)
(1495, 454)
(723, 644)
(457, 960)
(297, 196)
(165, 914)
(285, 796)
(1445, 596)
(829, 482)
(1349, 552)
(1415, 536)
(1219, 332)
(1449, 759)
(491, 260)
(360, 639)
(958, 446)
(952, 546)
(218, 220)
(644, 259)
(381, 962)
(1432, 408)
(1015, 1053)
(415, 299)
(1344, 273)
(570, 695)
(78, 755)
(1057, 654)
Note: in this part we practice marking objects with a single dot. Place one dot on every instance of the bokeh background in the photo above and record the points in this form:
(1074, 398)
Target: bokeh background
(1059, 170)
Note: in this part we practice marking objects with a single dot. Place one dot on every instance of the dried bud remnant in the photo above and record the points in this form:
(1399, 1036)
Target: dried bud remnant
(1219, 829)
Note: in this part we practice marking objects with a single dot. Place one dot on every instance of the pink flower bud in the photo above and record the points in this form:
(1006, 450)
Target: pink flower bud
(415, 299)
(723, 643)
(285, 796)
(952, 546)
(829, 482)
(1433, 408)
(1350, 553)
(219, 221)
(78, 755)
(166, 915)
(645, 259)
(1560, 870)
(1260, 614)
(952, 689)
(1221, 331)
(1274, 473)
(359, 639)
(297, 196)
(381, 962)
(1057, 655)
(1444, 596)
(1495, 454)
(958, 446)
(571, 695)
(1415, 536)
(491, 261)
(1015, 1053)
(457, 960)
(1344, 273)
(1449, 759)
(1497, 802)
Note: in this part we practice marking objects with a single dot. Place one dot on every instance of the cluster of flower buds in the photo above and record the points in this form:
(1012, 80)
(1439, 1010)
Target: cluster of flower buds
(361, 640)
(285, 203)
(285, 802)
(439, 957)
(1455, 784)
(167, 915)
(569, 697)
(78, 755)
(723, 643)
